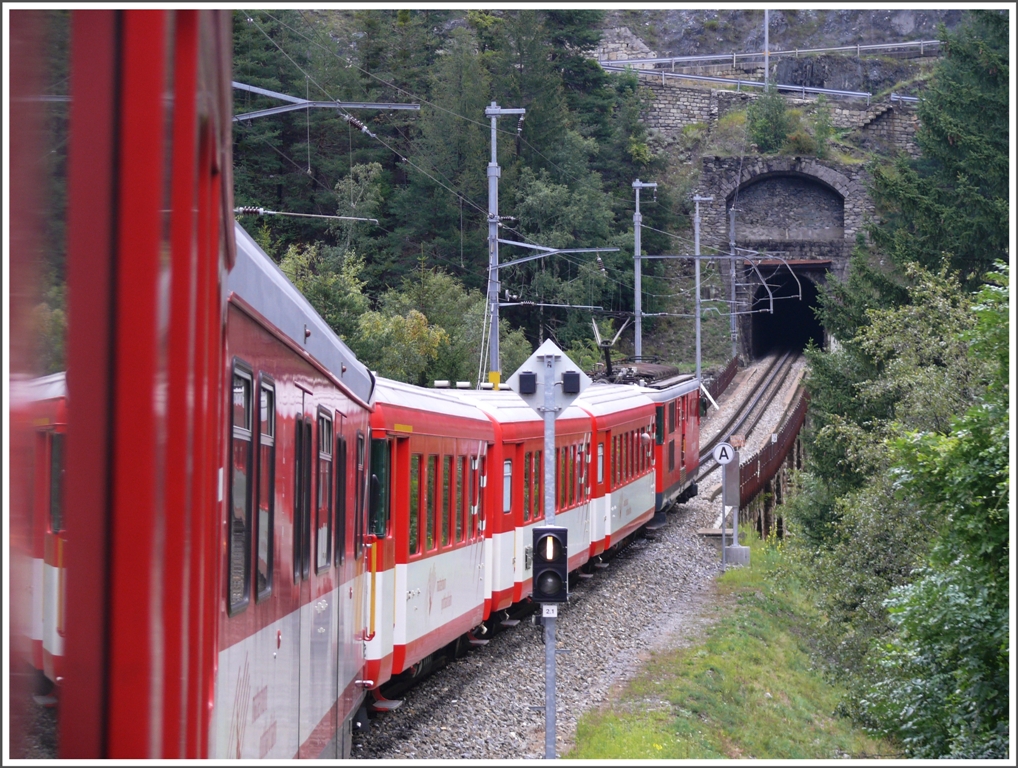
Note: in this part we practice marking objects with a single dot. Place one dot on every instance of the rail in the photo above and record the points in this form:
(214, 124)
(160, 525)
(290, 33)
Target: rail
(859, 50)
(738, 84)
(755, 472)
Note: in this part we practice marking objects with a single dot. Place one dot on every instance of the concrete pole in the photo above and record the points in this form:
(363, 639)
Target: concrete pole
(494, 172)
(731, 244)
(767, 49)
(638, 275)
(696, 250)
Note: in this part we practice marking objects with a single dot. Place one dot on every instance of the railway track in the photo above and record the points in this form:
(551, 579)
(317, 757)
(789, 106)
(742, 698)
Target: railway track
(756, 402)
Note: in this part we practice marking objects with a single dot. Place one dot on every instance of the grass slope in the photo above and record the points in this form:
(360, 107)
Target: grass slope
(748, 690)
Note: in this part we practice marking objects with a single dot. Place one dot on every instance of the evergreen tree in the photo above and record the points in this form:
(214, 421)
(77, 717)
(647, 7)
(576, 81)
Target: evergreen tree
(953, 204)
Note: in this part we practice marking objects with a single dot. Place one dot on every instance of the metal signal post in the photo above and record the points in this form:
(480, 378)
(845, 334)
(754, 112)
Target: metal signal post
(548, 382)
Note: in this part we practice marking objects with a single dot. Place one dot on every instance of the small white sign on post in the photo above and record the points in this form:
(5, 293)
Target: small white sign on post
(723, 453)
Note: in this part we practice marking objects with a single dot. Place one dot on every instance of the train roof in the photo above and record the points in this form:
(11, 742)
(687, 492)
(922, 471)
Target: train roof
(33, 390)
(261, 284)
(507, 407)
(437, 401)
(602, 399)
(662, 394)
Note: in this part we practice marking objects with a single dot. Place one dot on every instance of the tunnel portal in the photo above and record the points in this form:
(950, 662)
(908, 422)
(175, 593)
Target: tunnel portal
(793, 323)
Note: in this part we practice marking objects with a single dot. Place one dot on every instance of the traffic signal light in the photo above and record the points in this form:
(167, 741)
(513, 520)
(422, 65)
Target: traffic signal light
(551, 564)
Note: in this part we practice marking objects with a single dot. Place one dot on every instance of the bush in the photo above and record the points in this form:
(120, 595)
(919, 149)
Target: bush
(769, 122)
(823, 127)
(799, 143)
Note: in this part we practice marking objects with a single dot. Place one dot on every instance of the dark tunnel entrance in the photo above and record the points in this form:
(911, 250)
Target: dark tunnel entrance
(793, 322)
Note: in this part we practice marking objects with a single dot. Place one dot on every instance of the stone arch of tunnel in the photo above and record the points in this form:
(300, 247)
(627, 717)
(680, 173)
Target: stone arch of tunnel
(795, 209)
(793, 322)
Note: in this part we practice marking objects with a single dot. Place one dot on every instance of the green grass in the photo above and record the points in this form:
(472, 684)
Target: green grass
(748, 690)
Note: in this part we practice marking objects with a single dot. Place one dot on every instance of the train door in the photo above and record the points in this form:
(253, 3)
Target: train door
(349, 643)
(600, 496)
(316, 575)
(304, 567)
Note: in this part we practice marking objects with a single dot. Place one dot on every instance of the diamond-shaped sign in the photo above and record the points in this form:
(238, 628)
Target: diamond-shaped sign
(529, 380)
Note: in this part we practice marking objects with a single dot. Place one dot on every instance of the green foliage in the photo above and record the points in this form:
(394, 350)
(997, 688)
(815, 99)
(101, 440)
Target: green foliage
(399, 346)
(823, 127)
(423, 176)
(953, 204)
(747, 689)
(730, 135)
(334, 290)
(865, 527)
(769, 121)
(943, 677)
(799, 142)
(49, 324)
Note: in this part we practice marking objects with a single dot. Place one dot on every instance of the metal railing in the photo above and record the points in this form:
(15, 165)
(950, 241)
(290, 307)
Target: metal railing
(723, 58)
(720, 383)
(738, 84)
(906, 99)
(758, 469)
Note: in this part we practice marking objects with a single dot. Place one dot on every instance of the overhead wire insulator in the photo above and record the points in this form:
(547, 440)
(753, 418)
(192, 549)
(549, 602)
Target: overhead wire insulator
(358, 124)
(249, 210)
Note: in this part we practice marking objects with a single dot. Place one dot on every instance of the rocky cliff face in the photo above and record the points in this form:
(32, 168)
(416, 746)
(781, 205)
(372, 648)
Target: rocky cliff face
(686, 33)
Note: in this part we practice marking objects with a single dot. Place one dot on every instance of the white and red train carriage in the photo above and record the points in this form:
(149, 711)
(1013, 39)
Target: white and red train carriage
(216, 432)
(39, 407)
(292, 619)
(677, 440)
(516, 488)
(428, 515)
(228, 591)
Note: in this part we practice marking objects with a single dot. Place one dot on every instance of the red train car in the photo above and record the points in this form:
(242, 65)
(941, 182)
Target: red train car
(292, 547)
(428, 523)
(39, 406)
(677, 441)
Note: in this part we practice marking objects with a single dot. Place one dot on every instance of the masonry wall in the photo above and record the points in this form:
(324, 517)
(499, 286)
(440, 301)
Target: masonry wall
(674, 104)
(788, 208)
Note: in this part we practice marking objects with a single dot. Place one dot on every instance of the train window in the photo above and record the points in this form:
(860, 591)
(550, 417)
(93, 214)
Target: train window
(298, 474)
(573, 474)
(671, 455)
(528, 459)
(581, 470)
(482, 482)
(56, 482)
(473, 500)
(671, 417)
(600, 463)
(538, 474)
(560, 478)
(339, 552)
(362, 480)
(659, 424)
(507, 486)
(683, 455)
(266, 488)
(305, 501)
(458, 512)
(323, 494)
(415, 503)
(378, 519)
(429, 502)
(240, 493)
(446, 494)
